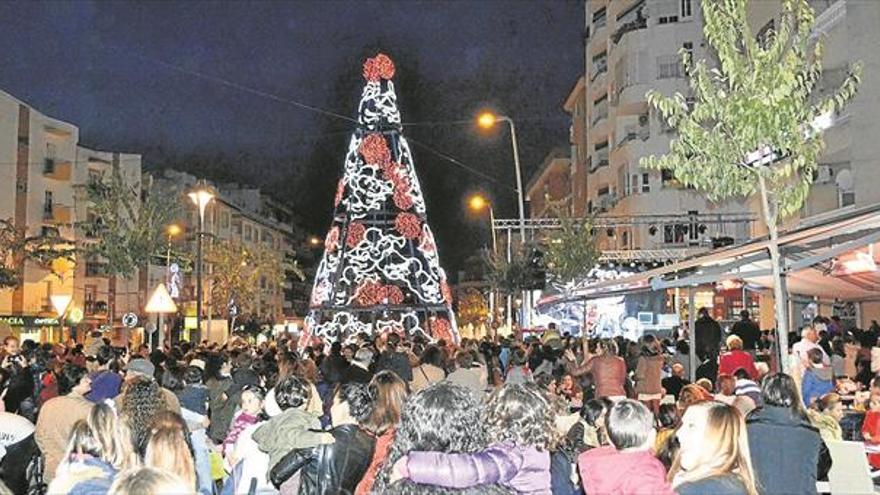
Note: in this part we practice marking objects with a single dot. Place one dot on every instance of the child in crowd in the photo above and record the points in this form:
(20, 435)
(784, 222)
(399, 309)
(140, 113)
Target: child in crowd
(871, 429)
(818, 379)
(520, 421)
(628, 465)
(251, 412)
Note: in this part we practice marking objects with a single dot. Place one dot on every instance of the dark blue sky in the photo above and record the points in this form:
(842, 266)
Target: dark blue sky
(101, 66)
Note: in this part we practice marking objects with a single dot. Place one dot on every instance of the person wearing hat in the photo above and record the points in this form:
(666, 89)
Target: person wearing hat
(142, 367)
(105, 382)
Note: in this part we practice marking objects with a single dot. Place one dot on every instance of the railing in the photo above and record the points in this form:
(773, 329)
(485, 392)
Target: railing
(634, 25)
(633, 132)
(600, 111)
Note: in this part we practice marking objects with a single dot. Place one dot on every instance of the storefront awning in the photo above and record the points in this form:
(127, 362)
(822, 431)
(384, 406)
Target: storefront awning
(810, 253)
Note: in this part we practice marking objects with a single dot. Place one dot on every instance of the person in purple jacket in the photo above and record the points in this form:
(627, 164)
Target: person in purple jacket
(521, 424)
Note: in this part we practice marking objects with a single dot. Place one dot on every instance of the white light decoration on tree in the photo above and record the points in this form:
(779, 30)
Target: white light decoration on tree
(380, 270)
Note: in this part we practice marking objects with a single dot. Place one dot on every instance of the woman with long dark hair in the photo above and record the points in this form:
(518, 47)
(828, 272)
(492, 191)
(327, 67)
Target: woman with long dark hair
(389, 393)
(784, 446)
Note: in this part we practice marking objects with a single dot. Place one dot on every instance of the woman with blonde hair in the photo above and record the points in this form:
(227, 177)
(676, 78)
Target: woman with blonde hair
(714, 456)
(168, 449)
(113, 436)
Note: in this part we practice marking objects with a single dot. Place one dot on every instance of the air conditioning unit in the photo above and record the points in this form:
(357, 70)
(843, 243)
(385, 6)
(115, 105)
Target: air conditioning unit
(824, 174)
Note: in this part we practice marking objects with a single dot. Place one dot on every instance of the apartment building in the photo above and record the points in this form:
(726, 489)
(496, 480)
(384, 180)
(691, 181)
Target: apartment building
(631, 47)
(42, 167)
(849, 168)
(237, 213)
(549, 192)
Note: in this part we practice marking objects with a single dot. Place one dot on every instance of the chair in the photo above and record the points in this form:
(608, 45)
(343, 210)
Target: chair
(849, 472)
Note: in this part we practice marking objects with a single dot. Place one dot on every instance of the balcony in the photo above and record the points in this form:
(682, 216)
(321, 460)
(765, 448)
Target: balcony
(56, 169)
(633, 132)
(639, 22)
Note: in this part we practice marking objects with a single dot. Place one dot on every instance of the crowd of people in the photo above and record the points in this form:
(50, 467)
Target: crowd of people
(398, 414)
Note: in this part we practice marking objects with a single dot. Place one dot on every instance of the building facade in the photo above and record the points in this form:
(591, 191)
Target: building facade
(43, 168)
(549, 192)
(632, 46)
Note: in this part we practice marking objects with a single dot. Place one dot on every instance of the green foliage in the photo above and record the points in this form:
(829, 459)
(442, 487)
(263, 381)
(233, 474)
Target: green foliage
(760, 94)
(126, 224)
(238, 270)
(570, 251)
(15, 249)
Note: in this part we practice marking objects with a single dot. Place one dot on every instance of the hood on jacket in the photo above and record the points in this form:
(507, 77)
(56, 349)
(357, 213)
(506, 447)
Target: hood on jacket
(605, 470)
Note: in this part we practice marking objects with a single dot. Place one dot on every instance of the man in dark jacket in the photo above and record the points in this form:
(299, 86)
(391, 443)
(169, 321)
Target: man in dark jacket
(359, 371)
(334, 366)
(747, 331)
(394, 360)
(707, 333)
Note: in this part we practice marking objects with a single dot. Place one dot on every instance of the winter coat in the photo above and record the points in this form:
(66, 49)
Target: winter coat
(736, 359)
(649, 373)
(607, 471)
(89, 476)
(609, 374)
(727, 484)
(54, 425)
(330, 468)
(333, 368)
(748, 332)
(425, 375)
(816, 383)
(254, 463)
(17, 447)
(292, 429)
(524, 469)
(708, 335)
(785, 451)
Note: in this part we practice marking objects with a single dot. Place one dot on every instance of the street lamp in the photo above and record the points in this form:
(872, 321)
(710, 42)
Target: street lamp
(487, 120)
(314, 241)
(201, 196)
(478, 203)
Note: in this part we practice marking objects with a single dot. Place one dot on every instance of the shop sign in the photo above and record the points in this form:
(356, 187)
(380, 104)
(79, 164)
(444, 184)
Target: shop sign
(28, 321)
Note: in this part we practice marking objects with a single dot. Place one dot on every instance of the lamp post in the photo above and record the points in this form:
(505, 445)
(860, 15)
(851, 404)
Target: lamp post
(487, 120)
(201, 196)
(172, 230)
(478, 203)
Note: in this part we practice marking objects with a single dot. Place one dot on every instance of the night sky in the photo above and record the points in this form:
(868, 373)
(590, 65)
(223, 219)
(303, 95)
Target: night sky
(196, 86)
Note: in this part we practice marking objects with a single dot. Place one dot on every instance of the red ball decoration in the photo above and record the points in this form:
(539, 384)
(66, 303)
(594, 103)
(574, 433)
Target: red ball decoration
(331, 242)
(340, 190)
(393, 294)
(408, 225)
(403, 199)
(356, 233)
(446, 291)
(390, 170)
(370, 293)
(375, 150)
(441, 329)
(384, 65)
(371, 70)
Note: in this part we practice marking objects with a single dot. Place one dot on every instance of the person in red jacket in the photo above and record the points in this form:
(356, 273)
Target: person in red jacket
(736, 358)
(628, 466)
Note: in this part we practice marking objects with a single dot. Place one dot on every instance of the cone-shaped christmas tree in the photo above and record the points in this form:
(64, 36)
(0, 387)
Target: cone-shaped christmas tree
(380, 270)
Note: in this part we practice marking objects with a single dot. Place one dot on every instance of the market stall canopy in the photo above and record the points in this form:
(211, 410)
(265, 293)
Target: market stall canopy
(826, 256)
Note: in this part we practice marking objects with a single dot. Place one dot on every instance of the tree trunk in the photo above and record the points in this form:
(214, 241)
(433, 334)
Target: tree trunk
(770, 219)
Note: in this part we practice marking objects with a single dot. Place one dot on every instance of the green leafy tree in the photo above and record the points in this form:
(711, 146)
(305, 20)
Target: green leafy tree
(570, 252)
(126, 224)
(759, 97)
(238, 270)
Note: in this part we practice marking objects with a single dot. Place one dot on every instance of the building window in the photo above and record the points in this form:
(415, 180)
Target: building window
(248, 233)
(47, 205)
(674, 234)
(646, 183)
(600, 108)
(224, 220)
(600, 65)
(668, 67)
(602, 154)
(688, 48)
(599, 18)
(686, 9)
(667, 19)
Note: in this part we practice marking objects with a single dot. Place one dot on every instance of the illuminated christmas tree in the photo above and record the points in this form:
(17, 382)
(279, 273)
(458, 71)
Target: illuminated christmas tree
(380, 270)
